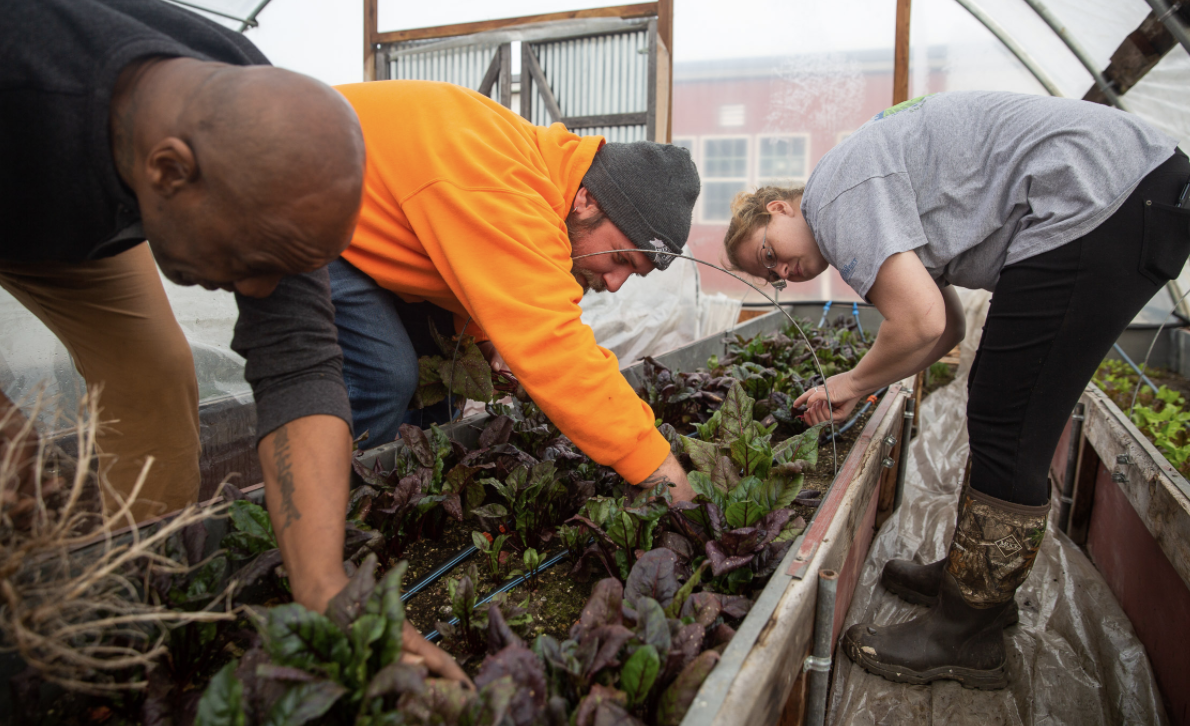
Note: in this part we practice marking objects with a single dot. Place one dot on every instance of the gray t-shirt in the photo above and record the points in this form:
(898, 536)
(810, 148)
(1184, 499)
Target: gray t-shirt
(973, 181)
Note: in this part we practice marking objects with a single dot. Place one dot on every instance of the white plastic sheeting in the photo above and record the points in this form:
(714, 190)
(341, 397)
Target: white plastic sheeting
(31, 357)
(654, 314)
(1073, 658)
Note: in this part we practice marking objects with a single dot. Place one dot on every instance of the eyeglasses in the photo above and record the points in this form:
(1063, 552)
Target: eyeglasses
(769, 260)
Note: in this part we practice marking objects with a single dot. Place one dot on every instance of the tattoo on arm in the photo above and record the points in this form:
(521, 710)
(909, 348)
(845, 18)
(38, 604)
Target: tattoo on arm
(281, 456)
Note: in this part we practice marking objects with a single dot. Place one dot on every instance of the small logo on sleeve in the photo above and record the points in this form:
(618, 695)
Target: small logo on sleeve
(847, 269)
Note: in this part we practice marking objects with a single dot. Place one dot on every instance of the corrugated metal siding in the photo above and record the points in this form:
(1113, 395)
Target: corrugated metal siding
(464, 66)
(597, 75)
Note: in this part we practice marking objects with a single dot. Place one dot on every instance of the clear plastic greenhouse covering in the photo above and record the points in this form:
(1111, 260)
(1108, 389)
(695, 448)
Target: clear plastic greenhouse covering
(1073, 659)
(762, 89)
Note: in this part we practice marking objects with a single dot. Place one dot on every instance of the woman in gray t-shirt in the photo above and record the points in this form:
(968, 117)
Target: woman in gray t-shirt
(1069, 211)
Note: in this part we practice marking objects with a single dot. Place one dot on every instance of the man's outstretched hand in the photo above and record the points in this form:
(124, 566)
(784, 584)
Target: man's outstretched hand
(436, 660)
(673, 475)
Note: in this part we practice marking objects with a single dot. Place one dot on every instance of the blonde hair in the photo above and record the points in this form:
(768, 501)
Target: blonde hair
(750, 212)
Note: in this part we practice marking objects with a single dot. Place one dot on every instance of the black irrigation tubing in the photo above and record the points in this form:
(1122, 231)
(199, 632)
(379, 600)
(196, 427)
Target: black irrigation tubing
(436, 574)
(434, 636)
(855, 417)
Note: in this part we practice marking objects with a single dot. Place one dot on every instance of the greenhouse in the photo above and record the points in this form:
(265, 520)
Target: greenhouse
(512, 553)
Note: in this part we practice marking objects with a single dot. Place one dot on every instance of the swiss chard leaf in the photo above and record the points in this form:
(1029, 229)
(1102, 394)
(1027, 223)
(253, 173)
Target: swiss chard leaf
(639, 673)
(676, 699)
(653, 576)
(304, 702)
(222, 704)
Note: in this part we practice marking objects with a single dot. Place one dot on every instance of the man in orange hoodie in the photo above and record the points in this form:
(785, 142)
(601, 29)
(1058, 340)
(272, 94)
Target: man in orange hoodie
(471, 208)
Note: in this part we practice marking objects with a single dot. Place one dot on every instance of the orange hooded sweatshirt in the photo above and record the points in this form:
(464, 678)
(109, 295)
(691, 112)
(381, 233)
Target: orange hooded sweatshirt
(465, 205)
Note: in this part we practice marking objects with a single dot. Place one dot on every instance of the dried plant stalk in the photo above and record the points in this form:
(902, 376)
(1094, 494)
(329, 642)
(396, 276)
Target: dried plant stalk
(74, 597)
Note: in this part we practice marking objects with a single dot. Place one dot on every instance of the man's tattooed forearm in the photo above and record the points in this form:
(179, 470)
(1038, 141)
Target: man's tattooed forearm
(285, 477)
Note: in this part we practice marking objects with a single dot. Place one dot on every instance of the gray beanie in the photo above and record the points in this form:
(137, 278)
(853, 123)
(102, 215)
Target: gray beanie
(648, 191)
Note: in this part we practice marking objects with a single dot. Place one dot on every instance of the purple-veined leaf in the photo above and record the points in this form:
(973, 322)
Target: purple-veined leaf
(348, 604)
(743, 541)
(676, 699)
(417, 442)
(524, 670)
(611, 638)
(396, 678)
(498, 431)
(703, 607)
(599, 695)
(602, 608)
(702, 453)
(721, 562)
(469, 375)
(653, 576)
(304, 702)
(735, 606)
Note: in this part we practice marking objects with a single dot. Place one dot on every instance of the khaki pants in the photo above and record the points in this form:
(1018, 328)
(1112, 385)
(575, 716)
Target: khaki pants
(116, 322)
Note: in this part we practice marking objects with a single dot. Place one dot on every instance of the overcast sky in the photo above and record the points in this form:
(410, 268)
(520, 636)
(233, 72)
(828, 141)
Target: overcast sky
(324, 38)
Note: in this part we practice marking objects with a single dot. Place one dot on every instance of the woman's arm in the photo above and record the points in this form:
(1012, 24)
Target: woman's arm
(921, 323)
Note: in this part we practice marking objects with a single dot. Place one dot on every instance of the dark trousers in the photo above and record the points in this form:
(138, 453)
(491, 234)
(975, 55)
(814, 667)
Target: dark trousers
(1052, 320)
(382, 337)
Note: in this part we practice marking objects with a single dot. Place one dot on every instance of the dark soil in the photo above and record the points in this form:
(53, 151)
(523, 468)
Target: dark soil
(427, 553)
(1170, 380)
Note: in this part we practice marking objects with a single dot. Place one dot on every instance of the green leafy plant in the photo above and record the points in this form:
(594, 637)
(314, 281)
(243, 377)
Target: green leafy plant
(1162, 416)
(466, 374)
(492, 547)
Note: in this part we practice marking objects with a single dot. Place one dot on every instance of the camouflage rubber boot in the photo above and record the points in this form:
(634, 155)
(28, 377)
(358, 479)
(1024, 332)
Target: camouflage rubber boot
(918, 583)
(961, 638)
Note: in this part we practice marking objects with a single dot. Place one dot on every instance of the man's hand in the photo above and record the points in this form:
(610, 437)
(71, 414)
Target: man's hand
(673, 475)
(843, 397)
(419, 650)
(495, 360)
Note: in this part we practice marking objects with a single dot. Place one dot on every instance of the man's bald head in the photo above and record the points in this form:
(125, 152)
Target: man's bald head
(242, 172)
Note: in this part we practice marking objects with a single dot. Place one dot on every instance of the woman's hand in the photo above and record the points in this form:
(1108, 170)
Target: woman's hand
(437, 661)
(843, 397)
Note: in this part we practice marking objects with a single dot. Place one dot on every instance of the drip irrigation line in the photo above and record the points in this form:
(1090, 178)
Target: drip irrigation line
(1153, 343)
(773, 301)
(434, 636)
(1144, 379)
(436, 574)
(855, 417)
(826, 309)
(855, 314)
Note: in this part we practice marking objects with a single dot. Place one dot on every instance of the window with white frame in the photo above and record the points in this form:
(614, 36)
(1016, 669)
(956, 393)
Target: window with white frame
(724, 172)
(782, 160)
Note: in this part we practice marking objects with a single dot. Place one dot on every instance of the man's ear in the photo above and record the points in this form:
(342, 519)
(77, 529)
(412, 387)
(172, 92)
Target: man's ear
(171, 166)
(584, 200)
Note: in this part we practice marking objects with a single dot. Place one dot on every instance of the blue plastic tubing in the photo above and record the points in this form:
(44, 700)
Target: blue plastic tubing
(434, 575)
(434, 636)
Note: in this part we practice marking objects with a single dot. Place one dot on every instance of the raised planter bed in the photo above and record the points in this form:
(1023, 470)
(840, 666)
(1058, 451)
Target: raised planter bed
(777, 619)
(1130, 509)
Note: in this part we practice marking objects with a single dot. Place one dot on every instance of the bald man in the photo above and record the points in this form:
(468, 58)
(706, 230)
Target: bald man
(130, 120)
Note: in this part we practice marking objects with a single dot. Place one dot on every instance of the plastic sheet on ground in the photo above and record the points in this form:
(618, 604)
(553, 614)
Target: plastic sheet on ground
(1073, 659)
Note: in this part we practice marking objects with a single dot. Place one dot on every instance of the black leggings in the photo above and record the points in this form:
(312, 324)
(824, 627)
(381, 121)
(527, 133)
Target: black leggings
(1052, 320)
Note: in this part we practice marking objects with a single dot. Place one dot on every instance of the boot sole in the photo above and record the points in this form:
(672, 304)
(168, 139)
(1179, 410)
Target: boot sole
(1012, 617)
(992, 680)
